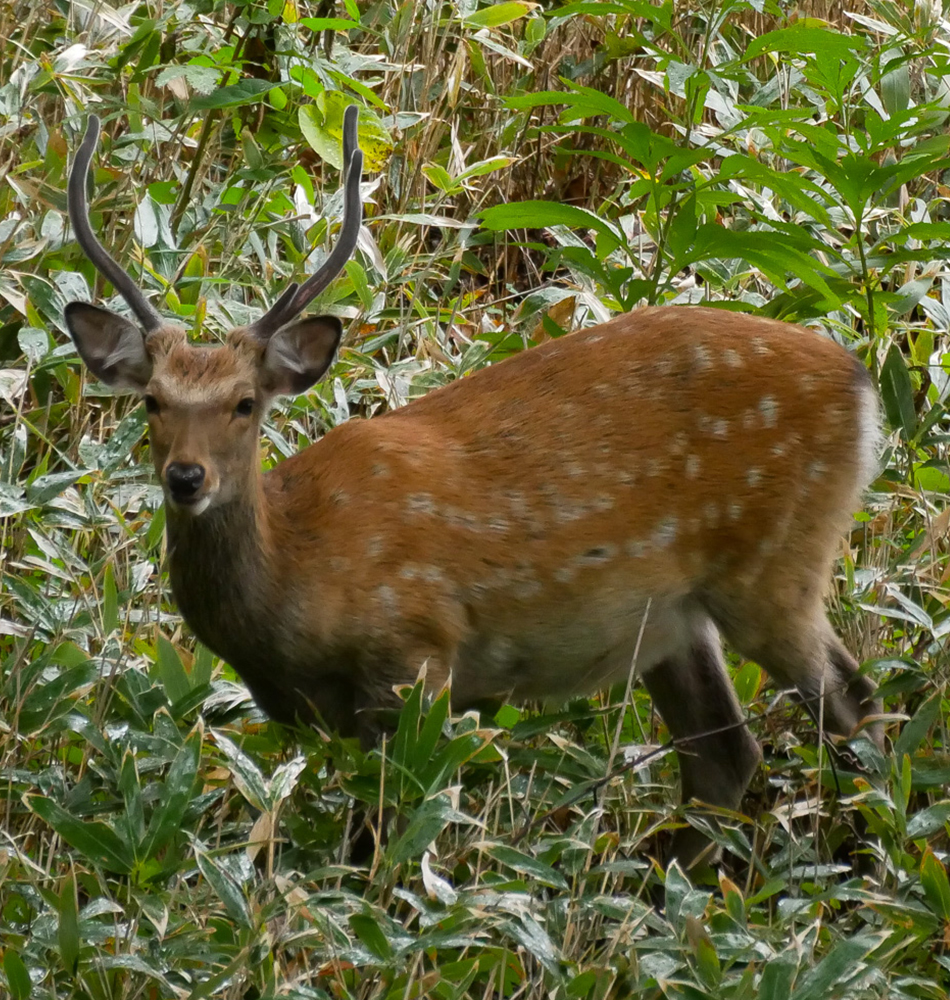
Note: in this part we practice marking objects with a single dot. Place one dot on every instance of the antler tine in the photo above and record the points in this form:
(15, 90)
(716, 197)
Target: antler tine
(294, 300)
(90, 245)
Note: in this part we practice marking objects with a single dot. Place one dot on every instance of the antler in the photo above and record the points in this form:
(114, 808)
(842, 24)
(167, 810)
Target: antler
(296, 298)
(91, 247)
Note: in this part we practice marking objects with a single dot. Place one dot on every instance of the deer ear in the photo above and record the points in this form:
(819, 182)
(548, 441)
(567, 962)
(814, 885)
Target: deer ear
(112, 347)
(298, 354)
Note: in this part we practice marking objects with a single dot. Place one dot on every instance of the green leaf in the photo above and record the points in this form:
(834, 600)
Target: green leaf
(839, 964)
(928, 821)
(499, 13)
(802, 38)
(425, 824)
(226, 889)
(99, 844)
(933, 877)
(18, 976)
(527, 865)
(233, 96)
(68, 930)
(916, 731)
(177, 793)
(245, 773)
(897, 394)
(328, 23)
(171, 670)
(110, 602)
(538, 214)
(367, 929)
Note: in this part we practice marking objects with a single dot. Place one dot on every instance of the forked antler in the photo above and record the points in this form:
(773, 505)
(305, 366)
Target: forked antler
(293, 300)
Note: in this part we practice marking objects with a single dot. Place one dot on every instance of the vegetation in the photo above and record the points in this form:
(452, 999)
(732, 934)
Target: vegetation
(531, 168)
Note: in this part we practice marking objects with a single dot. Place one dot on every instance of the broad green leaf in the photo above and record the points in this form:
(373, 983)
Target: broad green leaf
(225, 888)
(179, 787)
(425, 824)
(18, 976)
(802, 38)
(68, 930)
(933, 877)
(498, 14)
(110, 602)
(840, 963)
(525, 864)
(917, 730)
(328, 23)
(171, 670)
(897, 394)
(245, 773)
(929, 821)
(99, 843)
(367, 929)
(235, 95)
(538, 214)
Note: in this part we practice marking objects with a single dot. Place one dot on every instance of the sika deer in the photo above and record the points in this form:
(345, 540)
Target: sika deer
(512, 530)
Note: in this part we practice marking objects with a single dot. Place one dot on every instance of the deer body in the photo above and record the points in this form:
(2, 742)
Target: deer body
(617, 498)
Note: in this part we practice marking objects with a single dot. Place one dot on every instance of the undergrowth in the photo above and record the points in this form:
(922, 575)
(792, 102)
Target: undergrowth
(531, 168)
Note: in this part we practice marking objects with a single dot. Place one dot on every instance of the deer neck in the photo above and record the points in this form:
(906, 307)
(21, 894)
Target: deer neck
(220, 575)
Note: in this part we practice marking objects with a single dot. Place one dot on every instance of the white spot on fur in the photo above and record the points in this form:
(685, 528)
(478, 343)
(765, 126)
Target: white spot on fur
(749, 420)
(635, 548)
(693, 466)
(420, 503)
(374, 547)
(656, 467)
(565, 574)
(702, 357)
(711, 513)
(753, 477)
(387, 597)
(779, 448)
(816, 470)
(734, 510)
(721, 429)
(574, 469)
(627, 477)
(664, 533)
(760, 347)
(732, 358)
(768, 407)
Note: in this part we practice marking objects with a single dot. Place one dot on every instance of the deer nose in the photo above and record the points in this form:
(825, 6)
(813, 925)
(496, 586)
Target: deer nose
(184, 480)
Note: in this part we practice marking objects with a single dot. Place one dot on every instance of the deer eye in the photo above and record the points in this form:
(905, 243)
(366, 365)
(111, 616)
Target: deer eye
(245, 408)
(151, 404)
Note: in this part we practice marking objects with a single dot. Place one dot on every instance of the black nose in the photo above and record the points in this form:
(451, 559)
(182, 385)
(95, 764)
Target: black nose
(184, 479)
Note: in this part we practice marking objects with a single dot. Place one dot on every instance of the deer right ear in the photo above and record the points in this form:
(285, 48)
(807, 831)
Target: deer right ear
(299, 354)
(112, 347)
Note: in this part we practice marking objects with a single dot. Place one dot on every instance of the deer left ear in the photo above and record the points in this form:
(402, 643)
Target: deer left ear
(299, 354)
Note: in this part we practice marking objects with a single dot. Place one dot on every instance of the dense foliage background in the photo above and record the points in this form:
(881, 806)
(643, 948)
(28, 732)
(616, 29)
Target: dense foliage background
(531, 168)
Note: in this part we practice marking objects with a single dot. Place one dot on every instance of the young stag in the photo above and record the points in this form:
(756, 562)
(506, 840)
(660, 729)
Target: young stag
(618, 498)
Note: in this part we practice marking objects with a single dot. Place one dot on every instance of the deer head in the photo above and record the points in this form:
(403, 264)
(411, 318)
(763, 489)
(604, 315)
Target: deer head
(205, 403)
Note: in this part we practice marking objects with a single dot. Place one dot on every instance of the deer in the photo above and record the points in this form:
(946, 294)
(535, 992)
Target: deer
(620, 498)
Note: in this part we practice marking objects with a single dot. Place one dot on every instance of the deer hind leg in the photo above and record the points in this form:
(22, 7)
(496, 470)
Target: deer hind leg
(800, 650)
(693, 693)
